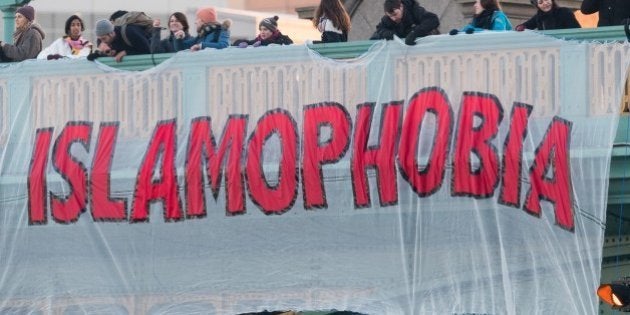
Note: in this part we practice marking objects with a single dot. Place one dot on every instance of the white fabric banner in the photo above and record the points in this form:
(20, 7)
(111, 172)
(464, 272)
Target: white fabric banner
(464, 175)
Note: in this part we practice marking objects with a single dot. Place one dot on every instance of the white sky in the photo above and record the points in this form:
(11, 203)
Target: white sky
(147, 6)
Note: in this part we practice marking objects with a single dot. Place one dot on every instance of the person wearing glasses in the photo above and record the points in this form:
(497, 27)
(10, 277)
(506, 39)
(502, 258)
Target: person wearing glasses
(549, 16)
(611, 12)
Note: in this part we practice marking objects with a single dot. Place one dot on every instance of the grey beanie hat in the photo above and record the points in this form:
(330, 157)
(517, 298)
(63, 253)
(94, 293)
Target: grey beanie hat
(103, 27)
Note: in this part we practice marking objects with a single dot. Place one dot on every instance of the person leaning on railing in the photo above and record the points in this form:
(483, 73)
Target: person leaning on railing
(71, 45)
(488, 16)
(611, 12)
(549, 16)
(269, 35)
(210, 33)
(27, 38)
(406, 19)
(133, 42)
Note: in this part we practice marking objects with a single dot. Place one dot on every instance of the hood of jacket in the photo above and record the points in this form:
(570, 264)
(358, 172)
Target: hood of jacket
(38, 28)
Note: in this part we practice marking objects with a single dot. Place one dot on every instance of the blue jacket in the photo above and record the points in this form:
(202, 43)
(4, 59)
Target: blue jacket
(500, 22)
(212, 35)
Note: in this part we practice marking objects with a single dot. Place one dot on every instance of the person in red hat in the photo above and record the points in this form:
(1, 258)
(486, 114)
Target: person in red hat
(210, 33)
(27, 38)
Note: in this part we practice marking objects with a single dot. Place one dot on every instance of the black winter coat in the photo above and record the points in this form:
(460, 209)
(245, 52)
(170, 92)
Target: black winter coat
(611, 12)
(138, 41)
(277, 38)
(415, 19)
(557, 18)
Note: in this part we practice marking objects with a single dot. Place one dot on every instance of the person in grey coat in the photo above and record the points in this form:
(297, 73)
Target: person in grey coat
(27, 38)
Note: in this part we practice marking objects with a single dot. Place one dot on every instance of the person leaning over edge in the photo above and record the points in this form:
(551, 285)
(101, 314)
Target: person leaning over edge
(27, 38)
(611, 12)
(111, 35)
(406, 19)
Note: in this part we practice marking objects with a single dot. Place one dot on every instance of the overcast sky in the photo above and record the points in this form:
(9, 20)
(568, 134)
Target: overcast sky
(148, 6)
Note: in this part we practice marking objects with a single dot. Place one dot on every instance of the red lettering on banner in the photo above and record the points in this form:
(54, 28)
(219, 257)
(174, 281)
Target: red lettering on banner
(510, 192)
(104, 207)
(552, 156)
(426, 180)
(381, 157)
(37, 189)
(326, 139)
(479, 182)
(165, 189)
(281, 197)
(67, 209)
(315, 154)
(202, 149)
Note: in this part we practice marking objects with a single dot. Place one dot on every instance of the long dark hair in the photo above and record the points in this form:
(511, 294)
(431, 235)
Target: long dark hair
(492, 5)
(554, 4)
(69, 22)
(484, 19)
(181, 17)
(334, 11)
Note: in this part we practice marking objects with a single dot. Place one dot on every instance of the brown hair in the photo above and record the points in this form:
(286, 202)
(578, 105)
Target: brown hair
(490, 4)
(181, 17)
(335, 12)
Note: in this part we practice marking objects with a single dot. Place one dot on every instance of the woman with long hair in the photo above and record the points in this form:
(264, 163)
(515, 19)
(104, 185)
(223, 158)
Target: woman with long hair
(72, 45)
(488, 16)
(332, 20)
(550, 16)
(27, 38)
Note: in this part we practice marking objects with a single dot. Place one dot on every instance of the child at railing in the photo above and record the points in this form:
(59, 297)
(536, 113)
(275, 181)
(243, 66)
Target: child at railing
(269, 34)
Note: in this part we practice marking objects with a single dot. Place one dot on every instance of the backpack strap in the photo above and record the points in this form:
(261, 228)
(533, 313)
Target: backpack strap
(123, 33)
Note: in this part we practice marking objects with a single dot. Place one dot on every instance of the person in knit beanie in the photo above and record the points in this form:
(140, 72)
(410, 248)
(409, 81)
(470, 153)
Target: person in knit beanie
(27, 11)
(27, 38)
(269, 34)
(210, 33)
(270, 23)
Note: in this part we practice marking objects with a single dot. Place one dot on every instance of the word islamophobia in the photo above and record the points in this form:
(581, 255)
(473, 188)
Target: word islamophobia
(240, 161)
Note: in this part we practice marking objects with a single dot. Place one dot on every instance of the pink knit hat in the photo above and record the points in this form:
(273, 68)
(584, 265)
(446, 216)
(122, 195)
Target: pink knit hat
(207, 15)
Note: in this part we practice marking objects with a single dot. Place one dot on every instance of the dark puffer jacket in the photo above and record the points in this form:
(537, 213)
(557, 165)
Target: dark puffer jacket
(611, 12)
(415, 20)
(556, 18)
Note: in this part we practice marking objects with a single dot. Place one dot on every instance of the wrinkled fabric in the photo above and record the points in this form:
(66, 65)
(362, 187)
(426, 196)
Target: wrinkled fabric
(412, 180)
